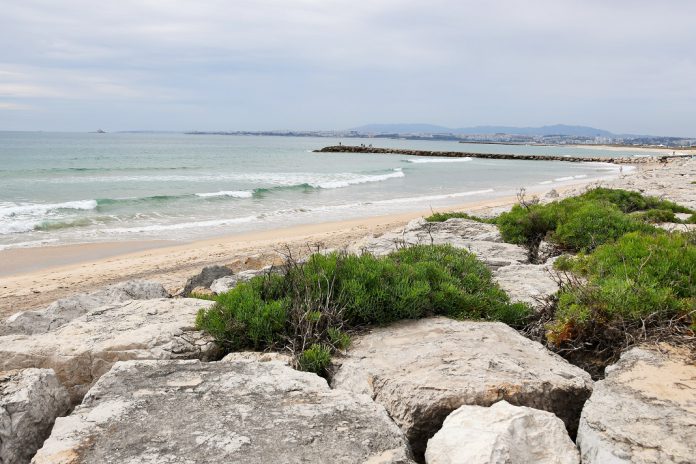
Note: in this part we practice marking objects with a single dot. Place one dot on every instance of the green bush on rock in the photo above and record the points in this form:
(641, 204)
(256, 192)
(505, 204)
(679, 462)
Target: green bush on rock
(641, 283)
(317, 303)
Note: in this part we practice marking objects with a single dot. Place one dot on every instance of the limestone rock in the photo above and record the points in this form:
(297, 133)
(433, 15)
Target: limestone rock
(423, 370)
(250, 412)
(63, 311)
(257, 356)
(528, 283)
(85, 348)
(502, 433)
(644, 411)
(30, 401)
(205, 278)
(225, 284)
(481, 239)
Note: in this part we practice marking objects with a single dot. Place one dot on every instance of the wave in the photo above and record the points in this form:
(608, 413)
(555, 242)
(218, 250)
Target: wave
(232, 193)
(106, 169)
(358, 180)
(265, 179)
(180, 225)
(11, 210)
(438, 160)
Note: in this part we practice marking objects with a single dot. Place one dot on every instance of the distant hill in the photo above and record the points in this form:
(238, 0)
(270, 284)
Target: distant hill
(557, 129)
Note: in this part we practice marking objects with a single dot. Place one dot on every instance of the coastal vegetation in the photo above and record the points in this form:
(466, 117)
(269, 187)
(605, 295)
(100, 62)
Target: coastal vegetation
(629, 280)
(310, 308)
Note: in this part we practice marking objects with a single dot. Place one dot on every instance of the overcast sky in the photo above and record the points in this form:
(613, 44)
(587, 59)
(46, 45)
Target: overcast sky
(628, 66)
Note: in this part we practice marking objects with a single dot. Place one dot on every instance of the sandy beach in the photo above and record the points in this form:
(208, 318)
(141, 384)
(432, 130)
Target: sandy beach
(34, 277)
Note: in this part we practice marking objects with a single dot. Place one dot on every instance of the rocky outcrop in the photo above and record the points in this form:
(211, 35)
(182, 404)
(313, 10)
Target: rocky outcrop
(85, 348)
(65, 310)
(643, 412)
(528, 283)
(251, 412)
(30, 401)
(225, 284)
(205, 278)
(502, 433)
(482, 239)
(423, 370)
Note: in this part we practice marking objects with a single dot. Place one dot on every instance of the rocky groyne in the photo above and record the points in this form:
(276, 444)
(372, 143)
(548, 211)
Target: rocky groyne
(503, 156)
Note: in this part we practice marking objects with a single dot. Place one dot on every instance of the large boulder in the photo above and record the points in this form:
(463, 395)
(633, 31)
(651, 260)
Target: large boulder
(30, 401)
(65, 310)
(205, 278)
(245, 411)
(528, 283)
(644, 411)
(502, 433)
(85, 348)
(225, 284)
(423, 370)
(482, 239)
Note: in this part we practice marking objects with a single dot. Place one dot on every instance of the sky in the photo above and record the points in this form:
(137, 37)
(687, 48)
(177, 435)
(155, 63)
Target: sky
(628, 66)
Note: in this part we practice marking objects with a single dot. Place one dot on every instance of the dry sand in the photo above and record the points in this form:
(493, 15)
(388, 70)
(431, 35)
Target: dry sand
(34, 277)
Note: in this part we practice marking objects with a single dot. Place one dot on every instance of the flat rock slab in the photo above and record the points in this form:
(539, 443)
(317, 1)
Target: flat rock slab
(30, 401)
(502, 433)
(221, 412)
(423, 370)
(64, 310)
(644, 411)
(527, 283)
(85, 348)
(482, 239)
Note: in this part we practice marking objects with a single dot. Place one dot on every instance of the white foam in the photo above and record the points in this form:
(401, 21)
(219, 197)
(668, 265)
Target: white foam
(179, 226)
(546, 182)
(30, 244)
(438, 160)
(358, 180)
(40, 208)
(433, 197)
(563, 179)
(230, 193)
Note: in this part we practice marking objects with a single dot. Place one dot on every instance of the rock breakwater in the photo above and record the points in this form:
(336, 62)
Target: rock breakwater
(505, 156)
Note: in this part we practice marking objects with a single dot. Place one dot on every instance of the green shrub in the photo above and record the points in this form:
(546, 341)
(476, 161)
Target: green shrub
(630, 201)
(315, 359)
(590, 224)
(315, 302)
(656, 216)
(581, 223)
(640, 281)
(442, 217)
(338, 338)
(691, 220)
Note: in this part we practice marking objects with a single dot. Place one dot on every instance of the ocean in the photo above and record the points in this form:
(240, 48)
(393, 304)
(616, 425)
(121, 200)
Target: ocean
(59, 188)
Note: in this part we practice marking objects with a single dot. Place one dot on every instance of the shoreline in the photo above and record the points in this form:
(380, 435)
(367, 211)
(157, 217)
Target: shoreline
(172, 263)
(83, 270)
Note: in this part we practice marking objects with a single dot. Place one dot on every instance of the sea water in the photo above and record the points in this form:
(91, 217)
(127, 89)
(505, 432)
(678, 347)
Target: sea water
(60, 188)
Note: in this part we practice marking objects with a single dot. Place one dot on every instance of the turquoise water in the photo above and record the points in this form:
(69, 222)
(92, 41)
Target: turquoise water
(70, 188)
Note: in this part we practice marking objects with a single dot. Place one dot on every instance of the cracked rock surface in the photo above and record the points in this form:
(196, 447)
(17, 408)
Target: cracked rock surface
(85, 348)
(222, 412)
(421, 371)
(643, 412)
(64, 310)
(30, 401)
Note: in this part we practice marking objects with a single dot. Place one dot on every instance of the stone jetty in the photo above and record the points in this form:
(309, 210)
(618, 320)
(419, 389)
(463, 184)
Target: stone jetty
(506, 156)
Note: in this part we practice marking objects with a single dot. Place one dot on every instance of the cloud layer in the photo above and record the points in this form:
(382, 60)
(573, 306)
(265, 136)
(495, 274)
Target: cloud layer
(627, 66)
